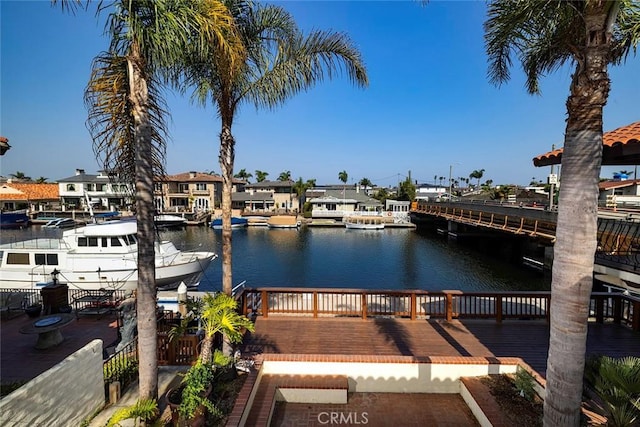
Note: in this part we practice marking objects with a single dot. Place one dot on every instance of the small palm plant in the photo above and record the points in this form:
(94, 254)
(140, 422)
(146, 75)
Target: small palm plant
(617, 384)
(143, 411)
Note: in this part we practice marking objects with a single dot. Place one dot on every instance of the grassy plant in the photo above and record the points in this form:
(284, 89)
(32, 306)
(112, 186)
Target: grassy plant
(525, 383)
(119, 367)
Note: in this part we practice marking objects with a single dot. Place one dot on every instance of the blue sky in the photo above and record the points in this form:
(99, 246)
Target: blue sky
(429, 105)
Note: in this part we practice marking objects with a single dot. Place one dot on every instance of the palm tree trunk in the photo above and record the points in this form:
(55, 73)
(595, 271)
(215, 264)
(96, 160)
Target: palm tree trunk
(227, 154)
(146, 291)
(577, 225)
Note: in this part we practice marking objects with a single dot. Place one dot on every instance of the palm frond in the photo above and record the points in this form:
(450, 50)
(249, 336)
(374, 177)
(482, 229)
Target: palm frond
(111, 122)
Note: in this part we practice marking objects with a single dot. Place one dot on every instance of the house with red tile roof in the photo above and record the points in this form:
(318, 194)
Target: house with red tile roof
(29, 195)
(620, 147)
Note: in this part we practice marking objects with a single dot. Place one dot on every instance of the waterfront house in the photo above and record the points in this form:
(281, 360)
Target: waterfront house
(339, 201)
(189, 192)
(284, 199)
(28, 195)
(101, 191)
(430, 191)
(250, 202)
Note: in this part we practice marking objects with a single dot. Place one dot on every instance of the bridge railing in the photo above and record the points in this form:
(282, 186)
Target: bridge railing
(418, 304)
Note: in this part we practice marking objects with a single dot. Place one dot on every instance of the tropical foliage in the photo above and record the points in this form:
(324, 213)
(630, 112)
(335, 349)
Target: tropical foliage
(617, 384)
(243, 174)
(544, 36)
(127, 116)
(280, 62)
(143, 412)
(261, 175)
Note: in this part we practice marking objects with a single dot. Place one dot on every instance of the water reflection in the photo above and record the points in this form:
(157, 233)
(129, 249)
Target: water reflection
(339, 258)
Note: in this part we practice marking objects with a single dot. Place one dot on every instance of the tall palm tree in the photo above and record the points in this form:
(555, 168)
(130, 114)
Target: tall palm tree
(284, 176)
(280, 63)
(366, 183)
(149, 39)
(590, 35)
(477, 174)
(243, 174)
(261, 175)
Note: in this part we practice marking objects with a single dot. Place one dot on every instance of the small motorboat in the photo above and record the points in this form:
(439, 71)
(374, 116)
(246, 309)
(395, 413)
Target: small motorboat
(236, 222)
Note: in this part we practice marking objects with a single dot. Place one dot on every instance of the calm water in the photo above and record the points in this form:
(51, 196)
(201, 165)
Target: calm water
(337, 258)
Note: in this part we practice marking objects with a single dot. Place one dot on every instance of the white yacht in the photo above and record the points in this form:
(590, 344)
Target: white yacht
(96, 256)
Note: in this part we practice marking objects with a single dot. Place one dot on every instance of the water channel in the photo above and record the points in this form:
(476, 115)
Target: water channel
(340, 258)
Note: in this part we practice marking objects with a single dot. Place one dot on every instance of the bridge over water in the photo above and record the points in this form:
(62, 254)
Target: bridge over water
(617, 260)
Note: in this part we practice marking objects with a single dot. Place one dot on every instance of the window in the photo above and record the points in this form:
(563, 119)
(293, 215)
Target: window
(115, 242)
(18, 258)
(103, 242)
(82, 241)
(157, 186)
(100, 187)
(201, 186)
(93, 241)
(91, 187)
(183, 188)
(71, 187)
(46, 259)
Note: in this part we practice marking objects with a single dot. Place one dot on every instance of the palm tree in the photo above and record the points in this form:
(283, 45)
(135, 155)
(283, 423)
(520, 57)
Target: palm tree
(280, 63)
(545, 35)
(41, 180)
(366, 183)
(261, 175)
(435, 179)
(243, 174)
(218, 314)
(343, 176)
(20, 176)
(477, 174)
(285, 176)
(149, 39)
(441, 178)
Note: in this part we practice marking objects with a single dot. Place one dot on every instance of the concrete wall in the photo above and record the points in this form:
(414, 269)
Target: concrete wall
(62, 396)
(391, 377)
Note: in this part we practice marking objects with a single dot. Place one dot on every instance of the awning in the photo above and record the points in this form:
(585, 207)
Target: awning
(619, 147)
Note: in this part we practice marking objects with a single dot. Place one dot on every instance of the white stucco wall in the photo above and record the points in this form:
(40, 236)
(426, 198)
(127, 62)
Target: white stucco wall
(62, 396)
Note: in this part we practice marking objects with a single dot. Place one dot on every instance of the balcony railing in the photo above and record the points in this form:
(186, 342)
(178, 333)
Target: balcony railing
(616, 307)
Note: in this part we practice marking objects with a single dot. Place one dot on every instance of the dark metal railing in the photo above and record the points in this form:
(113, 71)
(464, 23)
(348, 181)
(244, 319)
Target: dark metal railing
(616, 307)
(619, 243)
(122, 367)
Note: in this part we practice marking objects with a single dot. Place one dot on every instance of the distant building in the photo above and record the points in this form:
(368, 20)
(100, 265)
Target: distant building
(335, 202)
(619, 193)
(430, 191)
(28, 195)
(271, 196)
(101, 192)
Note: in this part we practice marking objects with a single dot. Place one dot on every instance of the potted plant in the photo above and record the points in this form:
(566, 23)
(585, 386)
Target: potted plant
(190, 401)
(143, 412)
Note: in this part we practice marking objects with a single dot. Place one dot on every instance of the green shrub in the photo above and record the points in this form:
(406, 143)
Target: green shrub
(525, 383)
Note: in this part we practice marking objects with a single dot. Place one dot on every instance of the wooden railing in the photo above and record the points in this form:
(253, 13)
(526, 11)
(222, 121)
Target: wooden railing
(417, 304)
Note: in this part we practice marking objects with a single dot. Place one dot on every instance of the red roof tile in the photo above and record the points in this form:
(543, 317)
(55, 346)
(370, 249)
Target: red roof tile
(619, 147)
(31, 191)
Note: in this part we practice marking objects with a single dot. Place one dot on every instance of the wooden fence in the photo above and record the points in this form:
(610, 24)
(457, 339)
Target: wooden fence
(417, 304)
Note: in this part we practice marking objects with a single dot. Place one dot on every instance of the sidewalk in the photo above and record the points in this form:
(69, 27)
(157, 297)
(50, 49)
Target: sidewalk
(167, 378)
